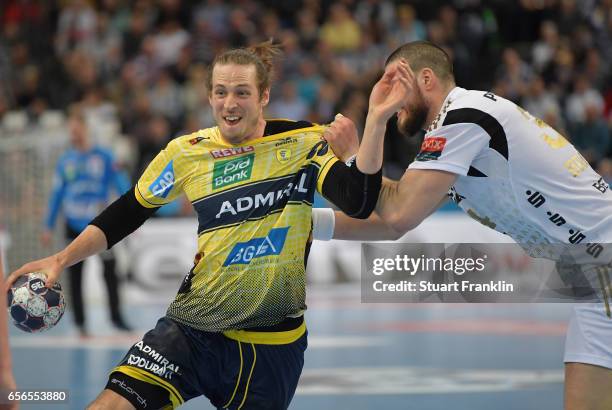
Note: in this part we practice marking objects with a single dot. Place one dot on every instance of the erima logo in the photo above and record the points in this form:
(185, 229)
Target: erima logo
(230, 152)
(244, 252)
(164, 182)
(285, 141)
(247, 203)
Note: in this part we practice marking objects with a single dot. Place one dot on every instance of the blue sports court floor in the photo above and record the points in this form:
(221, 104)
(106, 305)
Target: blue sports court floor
(360, 356)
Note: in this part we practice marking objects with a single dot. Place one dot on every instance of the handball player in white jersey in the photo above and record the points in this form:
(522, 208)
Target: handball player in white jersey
(505, 168)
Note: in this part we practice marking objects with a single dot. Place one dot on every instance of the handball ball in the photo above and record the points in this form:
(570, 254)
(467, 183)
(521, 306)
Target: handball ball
(32, 306)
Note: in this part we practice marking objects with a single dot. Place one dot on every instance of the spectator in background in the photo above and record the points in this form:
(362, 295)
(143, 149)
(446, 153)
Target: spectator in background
(84, 177)
(169, 42)
(605, 169)
(307, 30)
(308, 82)
(543, 51)
(134, 35)
(340, 30)
(596, 70)
(166, 98)
(591, 136)
(583, 95)
(76, 26)
(539, 101)
(408, 27)
(559, 72)
(289, 105)
(154, 140)
(513, 76)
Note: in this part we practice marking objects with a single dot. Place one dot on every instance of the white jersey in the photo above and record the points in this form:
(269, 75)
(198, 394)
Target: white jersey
(516, 174)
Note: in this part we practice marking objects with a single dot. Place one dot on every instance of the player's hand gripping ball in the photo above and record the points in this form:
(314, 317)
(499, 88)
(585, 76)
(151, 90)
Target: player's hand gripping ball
(34, 307)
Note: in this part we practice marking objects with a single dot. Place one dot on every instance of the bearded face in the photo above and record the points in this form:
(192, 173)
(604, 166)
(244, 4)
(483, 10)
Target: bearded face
(411, 118)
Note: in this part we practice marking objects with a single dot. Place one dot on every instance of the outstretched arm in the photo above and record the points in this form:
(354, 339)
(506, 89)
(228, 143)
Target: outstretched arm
(404, 204)
(117, 221)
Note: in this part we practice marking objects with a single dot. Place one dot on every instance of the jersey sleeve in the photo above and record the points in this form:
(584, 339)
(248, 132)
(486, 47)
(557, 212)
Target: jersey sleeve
(164, 178)
(451, 148)
(324, 157)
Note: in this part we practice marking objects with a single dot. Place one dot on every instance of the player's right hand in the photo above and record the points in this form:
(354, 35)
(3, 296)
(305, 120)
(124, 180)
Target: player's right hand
(50, 266)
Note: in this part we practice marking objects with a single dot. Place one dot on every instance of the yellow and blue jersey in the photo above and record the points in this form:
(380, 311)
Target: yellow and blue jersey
(253, 203)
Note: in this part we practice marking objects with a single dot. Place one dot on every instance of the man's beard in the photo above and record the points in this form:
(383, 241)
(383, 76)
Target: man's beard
(415, 122)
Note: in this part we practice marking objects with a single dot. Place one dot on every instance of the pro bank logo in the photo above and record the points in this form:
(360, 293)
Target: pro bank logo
(243, 252)
(232, 171)
(164, 182)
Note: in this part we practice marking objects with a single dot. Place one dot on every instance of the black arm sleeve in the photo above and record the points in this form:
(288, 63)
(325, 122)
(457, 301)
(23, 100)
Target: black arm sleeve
(354, 192)
(122, 217)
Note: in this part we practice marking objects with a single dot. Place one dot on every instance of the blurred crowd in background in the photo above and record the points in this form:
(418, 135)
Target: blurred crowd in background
(137, 67)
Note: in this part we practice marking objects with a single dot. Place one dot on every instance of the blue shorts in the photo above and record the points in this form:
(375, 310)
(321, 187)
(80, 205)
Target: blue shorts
(174, 363)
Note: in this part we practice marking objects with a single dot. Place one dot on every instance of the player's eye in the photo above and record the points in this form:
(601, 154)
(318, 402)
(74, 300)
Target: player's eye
(220, 92)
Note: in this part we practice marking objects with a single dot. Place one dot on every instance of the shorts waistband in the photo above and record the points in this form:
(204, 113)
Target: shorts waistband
(285, 332)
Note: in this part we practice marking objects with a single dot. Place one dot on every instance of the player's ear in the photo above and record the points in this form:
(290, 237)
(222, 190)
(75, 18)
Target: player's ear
(427, 78)
(265, 97)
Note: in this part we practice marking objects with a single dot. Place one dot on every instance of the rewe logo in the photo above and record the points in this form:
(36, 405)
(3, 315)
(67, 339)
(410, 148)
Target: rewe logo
(164, 182)
(243, 252)
(232, 171)
(230, 152)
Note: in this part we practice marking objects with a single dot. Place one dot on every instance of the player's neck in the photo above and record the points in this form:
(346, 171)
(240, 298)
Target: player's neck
(436, 105)
(258, 133)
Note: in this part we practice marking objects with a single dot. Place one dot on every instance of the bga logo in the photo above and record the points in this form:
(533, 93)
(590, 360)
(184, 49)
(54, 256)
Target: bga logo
(283, 155)
(232, 171)
(431, 148)
(230, 152)
(164, 182)
(243, 252)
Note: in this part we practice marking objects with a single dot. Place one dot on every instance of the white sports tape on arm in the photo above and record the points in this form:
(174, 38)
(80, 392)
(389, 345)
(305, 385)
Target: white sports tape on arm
(323, 222)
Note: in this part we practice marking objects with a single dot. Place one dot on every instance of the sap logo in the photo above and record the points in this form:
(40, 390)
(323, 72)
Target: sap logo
(243, 252)
(232, 171)
(247, 203)
(164, 182)
(230, 152)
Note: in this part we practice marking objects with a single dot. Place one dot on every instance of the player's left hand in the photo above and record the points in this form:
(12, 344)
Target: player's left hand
(390, 92)
(342, 138)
